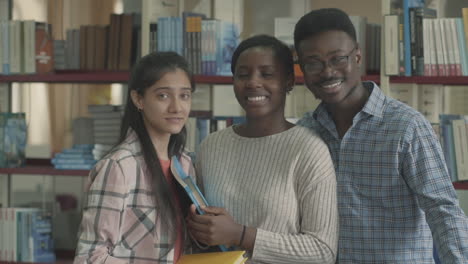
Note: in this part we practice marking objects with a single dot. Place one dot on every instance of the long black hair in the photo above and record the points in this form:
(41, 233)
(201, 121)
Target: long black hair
(146, 72)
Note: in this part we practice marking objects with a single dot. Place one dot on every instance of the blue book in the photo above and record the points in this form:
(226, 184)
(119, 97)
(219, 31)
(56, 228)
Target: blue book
(73, 166)
(74, 156)
(462, 46)
(41, 243)
(227, 39)
(446, 134)
(407, 4)
(57, 161)
(190, 188)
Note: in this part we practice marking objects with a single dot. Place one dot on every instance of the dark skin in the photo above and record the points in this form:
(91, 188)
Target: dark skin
(259, 74)
(260, 85)
(340, 89)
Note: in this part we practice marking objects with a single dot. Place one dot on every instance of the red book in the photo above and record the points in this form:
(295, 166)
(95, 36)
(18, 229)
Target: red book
(44, 48)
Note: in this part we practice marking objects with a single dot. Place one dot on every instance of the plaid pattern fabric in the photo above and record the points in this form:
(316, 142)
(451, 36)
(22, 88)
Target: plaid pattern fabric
(120, 223)
(393, 186)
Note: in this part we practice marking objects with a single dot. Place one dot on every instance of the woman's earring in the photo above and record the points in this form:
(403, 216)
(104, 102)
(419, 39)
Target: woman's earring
(139, 109)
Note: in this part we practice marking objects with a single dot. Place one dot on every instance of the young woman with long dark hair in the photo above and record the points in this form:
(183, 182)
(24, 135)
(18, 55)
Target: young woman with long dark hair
(135, 209)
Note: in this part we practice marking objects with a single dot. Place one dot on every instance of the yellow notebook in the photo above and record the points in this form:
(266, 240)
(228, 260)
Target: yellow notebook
(229, 257)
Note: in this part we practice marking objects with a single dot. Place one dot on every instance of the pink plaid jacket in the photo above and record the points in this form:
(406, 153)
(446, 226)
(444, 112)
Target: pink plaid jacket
(120, 223)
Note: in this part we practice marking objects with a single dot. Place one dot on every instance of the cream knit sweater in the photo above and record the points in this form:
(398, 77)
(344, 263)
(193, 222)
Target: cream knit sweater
(283, 184)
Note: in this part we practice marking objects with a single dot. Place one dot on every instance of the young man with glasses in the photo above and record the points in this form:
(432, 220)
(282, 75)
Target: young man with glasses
(394, 191)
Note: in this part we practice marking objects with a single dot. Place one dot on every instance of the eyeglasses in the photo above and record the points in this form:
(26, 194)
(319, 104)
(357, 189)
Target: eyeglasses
(337, 63)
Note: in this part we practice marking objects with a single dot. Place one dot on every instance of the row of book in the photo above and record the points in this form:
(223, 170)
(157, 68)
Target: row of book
(25, 47)
(432, 100)
(79, 157)
(100, 47)
(207, 44)
(445, 107)
(93, 138)
(26, 235)
(417, 43)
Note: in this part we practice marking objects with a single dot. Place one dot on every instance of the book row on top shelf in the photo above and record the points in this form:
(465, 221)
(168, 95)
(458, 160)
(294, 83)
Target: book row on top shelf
(418, 43)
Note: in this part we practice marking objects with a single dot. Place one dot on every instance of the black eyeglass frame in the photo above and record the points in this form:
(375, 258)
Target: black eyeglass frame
(334, 63)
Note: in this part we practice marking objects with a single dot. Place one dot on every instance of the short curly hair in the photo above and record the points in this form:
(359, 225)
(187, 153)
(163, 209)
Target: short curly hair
(321, 20)
(280, 50)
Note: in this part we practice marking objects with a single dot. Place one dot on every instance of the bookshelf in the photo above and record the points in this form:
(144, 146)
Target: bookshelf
(445, 80)
(107, 77)
(104, 77)
(42, 167)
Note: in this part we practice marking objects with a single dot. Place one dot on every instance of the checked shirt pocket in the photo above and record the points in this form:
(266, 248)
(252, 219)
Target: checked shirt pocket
(139, 226)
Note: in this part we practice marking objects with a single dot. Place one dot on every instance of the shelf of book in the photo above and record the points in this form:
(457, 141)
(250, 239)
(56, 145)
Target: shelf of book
(444, 80)
(44, 167)
(70, 76)
(96, 77)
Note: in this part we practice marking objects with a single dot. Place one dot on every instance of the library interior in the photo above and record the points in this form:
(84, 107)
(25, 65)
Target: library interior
(65, 65)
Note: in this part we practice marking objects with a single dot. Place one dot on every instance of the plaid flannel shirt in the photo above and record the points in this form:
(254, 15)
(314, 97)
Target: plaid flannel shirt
(394, 191)
(120, 222)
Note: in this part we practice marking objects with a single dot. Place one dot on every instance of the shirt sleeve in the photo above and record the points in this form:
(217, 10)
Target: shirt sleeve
(426, 173)
(318, 237)
(100, 226)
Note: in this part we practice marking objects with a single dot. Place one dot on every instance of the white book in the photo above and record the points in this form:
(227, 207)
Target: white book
(461, 148)
(391, 44)
(14, 27)
(406, 93)
(445, 47)
(456, 49)
(28, 54)
(426, 47)
(449, 45)
(439, 48)
(430, 103)
(432, 48)
(5, 50)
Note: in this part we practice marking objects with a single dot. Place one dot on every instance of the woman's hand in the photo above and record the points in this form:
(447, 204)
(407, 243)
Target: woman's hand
(215, 227)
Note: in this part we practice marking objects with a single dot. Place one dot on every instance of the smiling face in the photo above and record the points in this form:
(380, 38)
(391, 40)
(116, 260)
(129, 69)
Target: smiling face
(165, 105)
(338, 80)
(261, 83)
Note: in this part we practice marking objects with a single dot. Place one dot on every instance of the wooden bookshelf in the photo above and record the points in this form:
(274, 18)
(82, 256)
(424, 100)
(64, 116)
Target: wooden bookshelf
(463, 185)
(44, 167)
(444, 80)
(118, 77)
(96, 77)
(58, 261)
